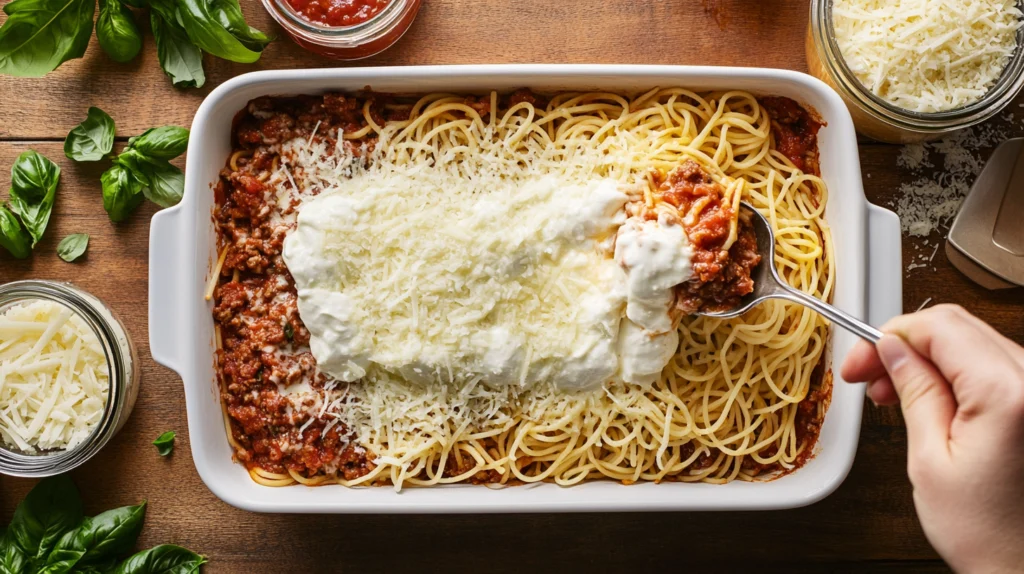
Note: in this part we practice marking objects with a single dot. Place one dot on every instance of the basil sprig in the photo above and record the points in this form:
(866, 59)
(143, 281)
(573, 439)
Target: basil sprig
(50, 509)
(141, 170)
(33, 190)
(49, 535)
(40, 35)
(110, 533)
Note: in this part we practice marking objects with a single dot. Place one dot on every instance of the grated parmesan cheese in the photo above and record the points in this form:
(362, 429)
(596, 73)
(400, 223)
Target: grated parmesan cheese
(927, 55)
(945, 170)
(53, 377)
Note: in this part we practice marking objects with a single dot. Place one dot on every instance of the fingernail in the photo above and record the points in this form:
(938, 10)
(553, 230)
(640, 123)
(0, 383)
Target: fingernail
(868, 392)
(892, 351)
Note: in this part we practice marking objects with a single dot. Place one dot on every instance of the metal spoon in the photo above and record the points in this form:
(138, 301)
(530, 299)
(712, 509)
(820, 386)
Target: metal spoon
(768, 285)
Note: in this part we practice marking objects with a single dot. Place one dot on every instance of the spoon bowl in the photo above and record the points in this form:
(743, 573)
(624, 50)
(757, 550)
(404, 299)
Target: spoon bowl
(769, 285)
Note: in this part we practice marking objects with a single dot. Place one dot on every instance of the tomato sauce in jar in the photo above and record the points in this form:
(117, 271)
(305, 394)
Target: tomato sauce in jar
(344, 29)
(338, 12)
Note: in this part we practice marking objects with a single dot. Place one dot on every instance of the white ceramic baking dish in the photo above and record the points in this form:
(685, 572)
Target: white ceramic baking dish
(182, 248)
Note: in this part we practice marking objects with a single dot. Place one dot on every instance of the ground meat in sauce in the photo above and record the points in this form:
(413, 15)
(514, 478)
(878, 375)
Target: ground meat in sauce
(796, 132)
(264, 342)
(721, 277)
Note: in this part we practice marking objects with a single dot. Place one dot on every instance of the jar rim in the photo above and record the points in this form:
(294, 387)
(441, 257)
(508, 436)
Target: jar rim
(44, 463)
(380, 22)
(1005, 89)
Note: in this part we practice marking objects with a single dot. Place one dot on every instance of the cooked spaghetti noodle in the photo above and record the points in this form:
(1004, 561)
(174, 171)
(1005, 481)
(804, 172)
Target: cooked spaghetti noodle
(740, 399)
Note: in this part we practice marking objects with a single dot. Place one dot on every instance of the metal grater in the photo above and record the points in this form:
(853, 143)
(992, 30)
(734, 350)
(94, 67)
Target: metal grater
(986, 241)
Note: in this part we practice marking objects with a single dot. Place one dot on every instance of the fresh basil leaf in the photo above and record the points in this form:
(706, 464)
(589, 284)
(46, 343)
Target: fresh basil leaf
(116, 31)
(108, 534)
(122, 192)
(162, 183)
(50, 509)
(167, 142)
(64, 555)
(73, 246)
(32, 175)
(229, 15)
(33, 189)
(12, 559)
(180, 59)
(167, 9)
(199, 20)
(92, 139)
(165, 443)
(166, 184)
(163, 559)
(107, 566)
(40, 35)
(12, 237)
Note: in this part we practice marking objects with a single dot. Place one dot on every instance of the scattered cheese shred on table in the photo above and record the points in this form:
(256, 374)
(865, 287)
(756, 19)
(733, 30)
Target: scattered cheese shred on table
(53, 377)
(944, 172)
(927, 55)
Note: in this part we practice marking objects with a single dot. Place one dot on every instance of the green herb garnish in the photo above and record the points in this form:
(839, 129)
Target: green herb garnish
(49, 534)
(116, 31)
(40, 35)
(33, 189)
(73, 246)
(92, 139)
(141, 170)
(165, 443)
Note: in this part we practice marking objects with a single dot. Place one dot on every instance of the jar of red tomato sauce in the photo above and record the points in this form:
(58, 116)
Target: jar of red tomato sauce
(344, 29)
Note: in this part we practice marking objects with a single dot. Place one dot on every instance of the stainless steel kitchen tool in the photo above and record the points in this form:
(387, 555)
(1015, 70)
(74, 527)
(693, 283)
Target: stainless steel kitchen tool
(986, 241)
(768, 285)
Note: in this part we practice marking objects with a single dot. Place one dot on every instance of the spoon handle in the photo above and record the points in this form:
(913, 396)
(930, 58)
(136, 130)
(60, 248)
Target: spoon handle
(841, 318)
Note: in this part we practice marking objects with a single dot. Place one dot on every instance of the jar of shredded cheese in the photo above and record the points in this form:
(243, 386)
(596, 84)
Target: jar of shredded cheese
(910, 73)
(69, 377)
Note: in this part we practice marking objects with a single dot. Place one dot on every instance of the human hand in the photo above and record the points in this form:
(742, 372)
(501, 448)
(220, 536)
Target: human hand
(960, 385)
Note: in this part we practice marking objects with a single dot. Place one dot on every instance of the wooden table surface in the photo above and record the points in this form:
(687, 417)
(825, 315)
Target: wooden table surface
(868, 523)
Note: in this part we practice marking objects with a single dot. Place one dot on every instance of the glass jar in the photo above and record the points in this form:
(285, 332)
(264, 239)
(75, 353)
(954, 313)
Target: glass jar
(880, 120)
(347, 42)
(123, 376)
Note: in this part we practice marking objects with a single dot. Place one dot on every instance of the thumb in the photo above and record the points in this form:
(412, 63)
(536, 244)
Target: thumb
(926, 398)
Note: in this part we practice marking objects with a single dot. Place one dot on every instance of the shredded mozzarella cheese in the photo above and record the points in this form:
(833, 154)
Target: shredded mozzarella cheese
(927, 55)
(53, 377)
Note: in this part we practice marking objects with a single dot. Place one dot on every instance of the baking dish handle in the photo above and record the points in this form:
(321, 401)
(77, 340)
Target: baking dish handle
(885, 266)
(166, 288)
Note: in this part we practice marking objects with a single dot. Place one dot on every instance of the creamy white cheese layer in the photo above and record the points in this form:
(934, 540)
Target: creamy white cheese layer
(499, 281)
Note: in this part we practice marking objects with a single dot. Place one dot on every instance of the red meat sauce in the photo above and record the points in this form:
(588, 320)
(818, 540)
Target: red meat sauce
(264, 344)
(796, 132)
(721, 277)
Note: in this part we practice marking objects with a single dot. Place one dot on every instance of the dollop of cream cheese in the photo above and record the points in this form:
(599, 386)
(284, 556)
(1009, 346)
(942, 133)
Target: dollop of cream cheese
(656, 256)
